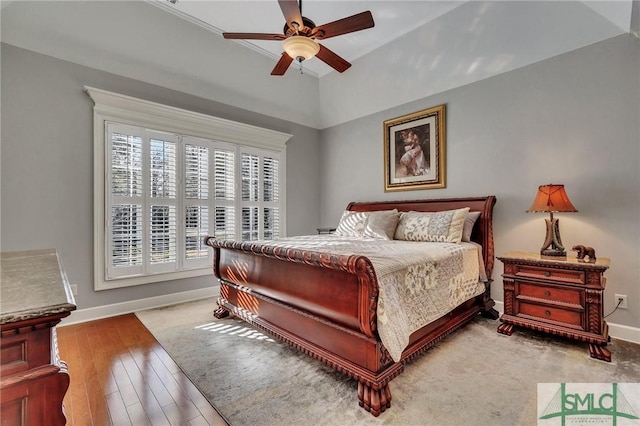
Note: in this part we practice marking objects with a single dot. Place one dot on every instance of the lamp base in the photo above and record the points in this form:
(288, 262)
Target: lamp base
(552, 246)
(553, 253)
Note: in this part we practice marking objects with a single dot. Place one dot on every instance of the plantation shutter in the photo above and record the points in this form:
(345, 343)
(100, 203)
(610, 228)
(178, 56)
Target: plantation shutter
(167, 192)
(163, 200)
(271, 197)
(260, 213)
(125, 222)
(197, 200)
(250, 188)
(225, 192)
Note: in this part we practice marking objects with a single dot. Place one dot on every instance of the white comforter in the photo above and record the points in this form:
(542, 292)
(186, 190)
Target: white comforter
(418, 282)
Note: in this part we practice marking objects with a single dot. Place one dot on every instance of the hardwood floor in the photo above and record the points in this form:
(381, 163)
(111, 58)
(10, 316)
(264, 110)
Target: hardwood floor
(120, 375)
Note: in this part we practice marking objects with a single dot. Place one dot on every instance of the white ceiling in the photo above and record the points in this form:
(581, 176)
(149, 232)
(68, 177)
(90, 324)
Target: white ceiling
(392, 19)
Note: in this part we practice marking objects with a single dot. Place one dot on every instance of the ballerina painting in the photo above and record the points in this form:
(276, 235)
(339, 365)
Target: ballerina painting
(414, 150)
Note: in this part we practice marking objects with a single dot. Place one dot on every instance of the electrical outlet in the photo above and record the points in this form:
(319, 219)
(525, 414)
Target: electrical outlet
(623, 304)
(74, 289)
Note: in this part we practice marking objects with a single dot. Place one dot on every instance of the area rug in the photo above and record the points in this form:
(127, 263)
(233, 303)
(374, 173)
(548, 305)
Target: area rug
(473, 377)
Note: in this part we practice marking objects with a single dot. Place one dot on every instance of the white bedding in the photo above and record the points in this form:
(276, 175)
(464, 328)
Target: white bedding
(418, 282)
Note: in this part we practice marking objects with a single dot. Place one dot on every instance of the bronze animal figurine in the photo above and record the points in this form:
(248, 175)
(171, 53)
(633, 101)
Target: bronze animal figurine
(585, 252)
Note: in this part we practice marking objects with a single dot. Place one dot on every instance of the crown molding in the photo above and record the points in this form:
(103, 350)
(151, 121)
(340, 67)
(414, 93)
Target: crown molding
(124, 109)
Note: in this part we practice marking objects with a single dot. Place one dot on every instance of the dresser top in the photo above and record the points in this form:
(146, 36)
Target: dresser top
(571, 260)
(32, 285)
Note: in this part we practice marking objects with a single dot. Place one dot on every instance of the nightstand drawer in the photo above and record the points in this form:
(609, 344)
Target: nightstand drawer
(550, 313)
(551, 293)
(549, 274)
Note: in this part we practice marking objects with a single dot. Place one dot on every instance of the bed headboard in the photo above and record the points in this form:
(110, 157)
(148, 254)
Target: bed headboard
(483, 229)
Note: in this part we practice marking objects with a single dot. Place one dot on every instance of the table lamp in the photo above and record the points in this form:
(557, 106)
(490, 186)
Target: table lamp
(552, 198)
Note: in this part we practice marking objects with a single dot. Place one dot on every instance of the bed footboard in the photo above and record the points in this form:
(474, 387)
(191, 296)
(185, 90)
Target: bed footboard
(276, 284)
(306, 300)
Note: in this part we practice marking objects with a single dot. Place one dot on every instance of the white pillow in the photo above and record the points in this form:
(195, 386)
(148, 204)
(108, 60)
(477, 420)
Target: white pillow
(382, 224)
(445, 226)
(352, 224)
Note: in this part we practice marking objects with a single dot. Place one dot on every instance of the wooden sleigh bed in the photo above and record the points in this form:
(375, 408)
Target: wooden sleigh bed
(326, 305)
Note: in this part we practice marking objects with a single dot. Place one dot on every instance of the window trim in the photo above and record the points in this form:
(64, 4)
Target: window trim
(110, 106)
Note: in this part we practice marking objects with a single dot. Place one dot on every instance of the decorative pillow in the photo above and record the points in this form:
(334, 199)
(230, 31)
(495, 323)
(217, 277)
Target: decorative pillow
(382, 224)
(445, 226)
(467, 230)
(352, 224)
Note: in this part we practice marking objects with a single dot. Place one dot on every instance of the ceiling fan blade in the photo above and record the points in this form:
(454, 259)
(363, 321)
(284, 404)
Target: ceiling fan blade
(283, 64)
(360, 21)
(253, 36)
(291, 12)
(333, 60)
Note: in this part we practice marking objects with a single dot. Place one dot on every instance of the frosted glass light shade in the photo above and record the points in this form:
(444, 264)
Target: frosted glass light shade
(300, 48)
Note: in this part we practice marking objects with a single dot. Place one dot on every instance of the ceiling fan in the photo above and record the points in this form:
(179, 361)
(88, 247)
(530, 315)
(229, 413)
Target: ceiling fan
(300, 34)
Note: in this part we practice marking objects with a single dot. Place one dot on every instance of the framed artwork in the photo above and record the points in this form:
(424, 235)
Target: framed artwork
(414, 150)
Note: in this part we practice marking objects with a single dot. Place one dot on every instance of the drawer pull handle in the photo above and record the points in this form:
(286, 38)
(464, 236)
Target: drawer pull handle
(547, 313)
(547, 293)
(547, 273)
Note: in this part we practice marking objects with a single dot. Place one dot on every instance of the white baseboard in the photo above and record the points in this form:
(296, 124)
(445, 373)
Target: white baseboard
(617, 331)
(624, 332)
(106, 311)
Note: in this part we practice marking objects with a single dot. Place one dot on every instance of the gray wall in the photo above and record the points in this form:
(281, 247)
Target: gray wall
(47, 164)
(573, 119)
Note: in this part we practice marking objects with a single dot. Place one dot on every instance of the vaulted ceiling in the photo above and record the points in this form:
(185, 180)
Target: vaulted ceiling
(393, 19)
(416, 49)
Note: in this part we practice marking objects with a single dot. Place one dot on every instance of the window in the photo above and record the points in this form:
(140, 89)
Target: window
(165, 178)
(260, 196)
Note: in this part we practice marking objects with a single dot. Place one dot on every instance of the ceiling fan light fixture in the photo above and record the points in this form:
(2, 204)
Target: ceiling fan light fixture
(300, 48)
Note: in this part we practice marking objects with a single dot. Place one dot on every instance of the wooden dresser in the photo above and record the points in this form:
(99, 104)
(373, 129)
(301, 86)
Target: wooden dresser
(560, 296)
(35, 296)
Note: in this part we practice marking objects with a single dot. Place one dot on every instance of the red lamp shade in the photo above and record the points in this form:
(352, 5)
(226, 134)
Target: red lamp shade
(550, 199)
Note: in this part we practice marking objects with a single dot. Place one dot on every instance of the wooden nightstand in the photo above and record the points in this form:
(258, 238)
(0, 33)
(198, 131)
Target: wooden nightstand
(561, 296)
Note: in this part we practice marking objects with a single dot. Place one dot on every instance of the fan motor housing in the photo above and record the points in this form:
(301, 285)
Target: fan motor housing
(307, 26)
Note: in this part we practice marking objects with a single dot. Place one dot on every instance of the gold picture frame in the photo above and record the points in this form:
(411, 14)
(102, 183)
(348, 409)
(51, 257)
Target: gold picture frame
(414, 150)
